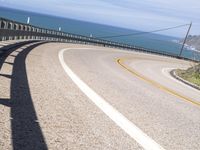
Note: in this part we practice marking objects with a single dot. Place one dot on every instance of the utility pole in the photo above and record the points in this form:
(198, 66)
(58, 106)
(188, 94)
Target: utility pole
(185, 39)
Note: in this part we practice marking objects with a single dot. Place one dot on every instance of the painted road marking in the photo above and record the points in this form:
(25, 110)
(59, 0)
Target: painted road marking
(120, 62)
(131, 129)
(165, 71)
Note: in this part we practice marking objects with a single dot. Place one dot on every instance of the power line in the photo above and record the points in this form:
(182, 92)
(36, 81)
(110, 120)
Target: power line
(148, 32)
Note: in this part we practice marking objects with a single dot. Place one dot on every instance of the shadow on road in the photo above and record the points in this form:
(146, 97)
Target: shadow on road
(26, 131)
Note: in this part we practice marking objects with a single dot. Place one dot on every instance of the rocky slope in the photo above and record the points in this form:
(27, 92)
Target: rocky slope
(194, 41)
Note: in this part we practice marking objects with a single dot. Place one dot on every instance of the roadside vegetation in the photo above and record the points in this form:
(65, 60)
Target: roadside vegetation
(192, 74)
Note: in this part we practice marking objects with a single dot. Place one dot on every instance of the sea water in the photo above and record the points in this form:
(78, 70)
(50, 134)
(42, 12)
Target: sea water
(156, 42)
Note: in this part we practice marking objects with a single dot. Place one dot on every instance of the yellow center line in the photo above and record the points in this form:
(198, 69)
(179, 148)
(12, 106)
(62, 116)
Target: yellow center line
(187, 99)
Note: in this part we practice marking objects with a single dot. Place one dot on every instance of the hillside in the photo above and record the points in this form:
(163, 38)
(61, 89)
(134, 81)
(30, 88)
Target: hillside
(194, 41)
(192, 74)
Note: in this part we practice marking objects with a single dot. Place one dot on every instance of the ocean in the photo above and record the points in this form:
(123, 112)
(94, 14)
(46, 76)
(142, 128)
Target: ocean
(157, 42)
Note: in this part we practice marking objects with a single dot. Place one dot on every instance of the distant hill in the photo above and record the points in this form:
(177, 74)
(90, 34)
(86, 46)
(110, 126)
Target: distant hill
(194, 41)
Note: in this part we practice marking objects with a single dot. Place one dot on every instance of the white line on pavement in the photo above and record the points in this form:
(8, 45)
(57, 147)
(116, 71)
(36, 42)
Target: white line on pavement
(166, 71)
(131, 129)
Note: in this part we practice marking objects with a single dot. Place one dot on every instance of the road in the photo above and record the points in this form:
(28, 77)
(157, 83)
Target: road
(67, 96)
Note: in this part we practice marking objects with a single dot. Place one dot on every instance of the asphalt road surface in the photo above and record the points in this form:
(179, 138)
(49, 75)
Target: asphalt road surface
(67, 96)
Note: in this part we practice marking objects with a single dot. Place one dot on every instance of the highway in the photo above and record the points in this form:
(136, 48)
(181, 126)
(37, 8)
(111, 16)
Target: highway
(70, 96)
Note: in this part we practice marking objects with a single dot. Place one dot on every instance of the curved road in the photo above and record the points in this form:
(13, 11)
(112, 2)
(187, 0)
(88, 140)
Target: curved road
(119, 93)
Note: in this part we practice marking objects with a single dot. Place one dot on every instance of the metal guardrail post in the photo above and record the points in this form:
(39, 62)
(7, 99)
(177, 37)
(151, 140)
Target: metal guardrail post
(12, 30)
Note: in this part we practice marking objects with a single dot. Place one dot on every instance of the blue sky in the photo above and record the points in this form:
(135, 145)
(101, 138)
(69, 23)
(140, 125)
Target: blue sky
(134, 14)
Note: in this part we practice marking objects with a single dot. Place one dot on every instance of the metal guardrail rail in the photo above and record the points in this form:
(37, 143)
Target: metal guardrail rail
(12, 30)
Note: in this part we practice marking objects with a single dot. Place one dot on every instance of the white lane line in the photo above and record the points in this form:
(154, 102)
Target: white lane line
(132, 130)
(166, 71)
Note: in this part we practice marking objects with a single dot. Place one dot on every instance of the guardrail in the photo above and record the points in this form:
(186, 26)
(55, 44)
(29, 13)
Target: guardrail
(12, 30)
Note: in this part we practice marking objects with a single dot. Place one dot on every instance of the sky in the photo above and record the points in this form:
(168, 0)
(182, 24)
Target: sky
(143, 15)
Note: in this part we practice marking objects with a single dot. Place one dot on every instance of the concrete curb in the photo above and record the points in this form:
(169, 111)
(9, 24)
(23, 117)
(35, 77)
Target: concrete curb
(173, 74)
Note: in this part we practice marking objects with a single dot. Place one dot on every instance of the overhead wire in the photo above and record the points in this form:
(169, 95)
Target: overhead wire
(145, 32)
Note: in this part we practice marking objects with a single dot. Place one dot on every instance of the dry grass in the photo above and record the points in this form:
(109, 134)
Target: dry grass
(192, 74)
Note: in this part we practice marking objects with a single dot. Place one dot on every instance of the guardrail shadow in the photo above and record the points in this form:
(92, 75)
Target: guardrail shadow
(26, 131)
